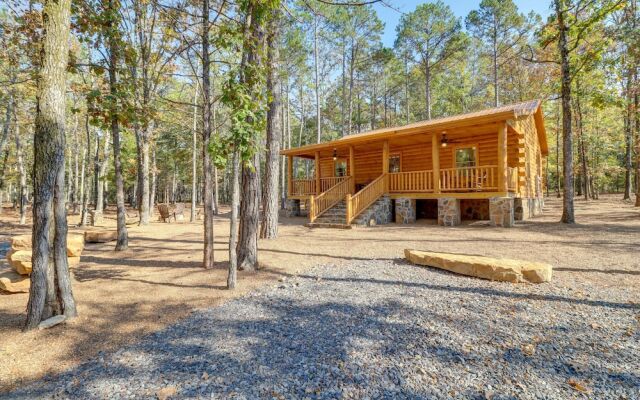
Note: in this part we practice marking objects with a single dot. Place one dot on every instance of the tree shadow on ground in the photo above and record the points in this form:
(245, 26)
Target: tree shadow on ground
(297, 345)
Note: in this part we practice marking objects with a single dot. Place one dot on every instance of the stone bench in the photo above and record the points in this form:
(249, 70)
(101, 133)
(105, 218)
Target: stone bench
(495, 269)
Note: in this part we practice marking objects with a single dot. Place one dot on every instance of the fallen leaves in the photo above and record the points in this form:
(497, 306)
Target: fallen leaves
(577, 385)
(166, 392)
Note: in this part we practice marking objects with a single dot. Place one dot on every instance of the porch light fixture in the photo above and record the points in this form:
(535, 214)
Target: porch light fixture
(335, 154)
(443, 140)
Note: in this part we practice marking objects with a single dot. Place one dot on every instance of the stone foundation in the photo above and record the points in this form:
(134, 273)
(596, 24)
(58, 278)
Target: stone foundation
(405, 211)
(292, 208)
(379, 213)
(502, 211)
(527, 208)
(449, 211)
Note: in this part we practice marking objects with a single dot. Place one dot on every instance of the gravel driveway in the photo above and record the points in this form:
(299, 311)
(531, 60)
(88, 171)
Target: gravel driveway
(382, 329)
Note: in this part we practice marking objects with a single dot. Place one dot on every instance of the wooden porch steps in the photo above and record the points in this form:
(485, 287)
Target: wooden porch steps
(335, 215)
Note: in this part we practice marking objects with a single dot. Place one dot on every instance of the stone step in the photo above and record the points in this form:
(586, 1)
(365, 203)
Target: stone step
(327, 225)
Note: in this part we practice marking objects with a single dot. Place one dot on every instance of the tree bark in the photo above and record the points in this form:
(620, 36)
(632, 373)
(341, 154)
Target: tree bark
(85, 180)
(567, 151)
(194, 154)
(233, 223)
(50, 291)
(22, 189)
(114, 58)
(316, 78)
(269, 228)
(207, 165)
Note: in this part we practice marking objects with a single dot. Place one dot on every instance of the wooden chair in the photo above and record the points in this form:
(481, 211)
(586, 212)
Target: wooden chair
(166, 213)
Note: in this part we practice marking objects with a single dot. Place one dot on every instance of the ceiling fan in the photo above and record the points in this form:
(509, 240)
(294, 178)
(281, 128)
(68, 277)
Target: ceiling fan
(444, 141)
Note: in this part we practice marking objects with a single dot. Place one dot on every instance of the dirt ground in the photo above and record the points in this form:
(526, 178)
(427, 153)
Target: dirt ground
(124, 296)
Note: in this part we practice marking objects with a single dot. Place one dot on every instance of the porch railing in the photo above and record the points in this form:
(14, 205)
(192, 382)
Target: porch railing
(414, 181)
(469, 178)
(327, 199)
(359, 202)
(302, 187)
(328, 183)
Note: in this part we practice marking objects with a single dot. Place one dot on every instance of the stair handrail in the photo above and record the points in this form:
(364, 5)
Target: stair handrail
(324, 201)
(368, 195)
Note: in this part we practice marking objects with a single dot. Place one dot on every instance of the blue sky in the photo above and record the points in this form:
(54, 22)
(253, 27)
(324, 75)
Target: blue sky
(460, 7)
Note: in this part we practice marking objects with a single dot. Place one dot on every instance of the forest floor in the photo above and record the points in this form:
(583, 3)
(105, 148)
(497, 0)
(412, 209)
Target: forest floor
(123, 297)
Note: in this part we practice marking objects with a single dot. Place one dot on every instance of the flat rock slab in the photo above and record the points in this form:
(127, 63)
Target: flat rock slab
(13, 282)
(75, 243)
(100, 236)
(495, 269)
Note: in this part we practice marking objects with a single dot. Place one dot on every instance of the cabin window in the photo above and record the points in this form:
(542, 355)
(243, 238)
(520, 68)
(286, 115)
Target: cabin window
(394, 163)
(465, 157)
(340, 167)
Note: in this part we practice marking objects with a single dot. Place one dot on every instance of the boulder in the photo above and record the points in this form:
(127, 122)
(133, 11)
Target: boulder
(495, 269)
(75, 245)
(20, 261)
(21, 242)
(13, 282)
(100, 236)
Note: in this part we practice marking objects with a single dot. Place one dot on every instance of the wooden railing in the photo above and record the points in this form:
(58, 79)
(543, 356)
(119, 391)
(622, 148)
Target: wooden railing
(365, 197)
(414, 181)
(328, 183)
(469, 178)
(512, 179)
(301, 187)
(321, 203)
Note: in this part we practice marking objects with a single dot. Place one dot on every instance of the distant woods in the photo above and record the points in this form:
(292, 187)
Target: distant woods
(182, 101)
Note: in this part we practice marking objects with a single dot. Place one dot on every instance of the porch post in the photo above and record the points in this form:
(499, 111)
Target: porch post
(435, 160)
(318, 188)
(352, 169)
(503, 181)
(289, 175)
(385, 164)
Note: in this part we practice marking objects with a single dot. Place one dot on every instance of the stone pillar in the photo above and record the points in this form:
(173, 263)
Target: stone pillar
(448, 211)
(520, 209)
(501, 210)
(292, 208)
(405, 211)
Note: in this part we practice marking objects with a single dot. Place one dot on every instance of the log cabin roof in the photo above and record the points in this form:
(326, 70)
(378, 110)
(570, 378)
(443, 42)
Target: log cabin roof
(487, 116)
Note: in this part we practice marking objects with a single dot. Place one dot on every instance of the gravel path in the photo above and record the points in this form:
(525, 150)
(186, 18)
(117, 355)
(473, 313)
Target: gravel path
(382, 329)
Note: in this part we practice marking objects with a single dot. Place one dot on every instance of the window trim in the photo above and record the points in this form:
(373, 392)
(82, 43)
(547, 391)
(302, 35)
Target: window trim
(396, 154)
(476, 152)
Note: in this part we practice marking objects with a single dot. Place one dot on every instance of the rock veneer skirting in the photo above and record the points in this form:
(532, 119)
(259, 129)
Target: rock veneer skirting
(449, 211)
(495, 269)
(405, 211)
(501, 211)
(379, 213)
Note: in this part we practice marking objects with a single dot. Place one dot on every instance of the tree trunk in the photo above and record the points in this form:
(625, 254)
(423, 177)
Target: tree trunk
(154, 181)
(316, 78)
(207, 165)
(495, 68)
(567, 202)
(269, 228)
(194, 154)
(114, 60)
(85, 180)
(233, 223)
(50, 291)
(427, 87)
(22, 189)
(628, 138)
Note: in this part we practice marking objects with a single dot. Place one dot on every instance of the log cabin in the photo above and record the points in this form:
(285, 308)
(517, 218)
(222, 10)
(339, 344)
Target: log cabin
(484, 165)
